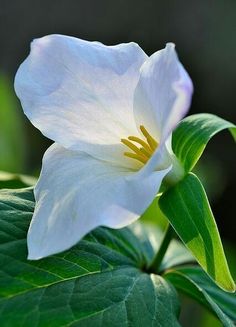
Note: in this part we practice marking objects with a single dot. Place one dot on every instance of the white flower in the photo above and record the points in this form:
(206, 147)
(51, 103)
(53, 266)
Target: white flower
(110, 110)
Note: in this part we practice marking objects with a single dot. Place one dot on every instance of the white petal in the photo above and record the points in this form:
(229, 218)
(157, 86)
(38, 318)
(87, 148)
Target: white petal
(77, 193)
(80, 93)
(163, 93)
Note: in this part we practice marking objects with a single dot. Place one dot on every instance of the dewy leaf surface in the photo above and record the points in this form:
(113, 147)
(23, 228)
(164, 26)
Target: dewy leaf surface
(194, 282)
(97, 283)
(188, 210)
(192, 135)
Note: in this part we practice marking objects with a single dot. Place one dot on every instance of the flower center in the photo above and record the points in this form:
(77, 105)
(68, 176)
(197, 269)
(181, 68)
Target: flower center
(141, 150)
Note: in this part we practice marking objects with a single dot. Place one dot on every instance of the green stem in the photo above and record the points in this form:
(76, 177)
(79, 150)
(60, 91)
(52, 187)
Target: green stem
(155, 265)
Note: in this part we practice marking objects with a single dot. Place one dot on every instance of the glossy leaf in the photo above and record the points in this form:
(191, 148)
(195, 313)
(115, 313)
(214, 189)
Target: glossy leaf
(194, 282)
(188, 210)
(192, 135)
(99, 282)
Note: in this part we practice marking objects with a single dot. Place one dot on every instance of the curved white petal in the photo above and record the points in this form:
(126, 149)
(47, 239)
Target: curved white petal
(163, 93)
(77, 193)
(80, 93)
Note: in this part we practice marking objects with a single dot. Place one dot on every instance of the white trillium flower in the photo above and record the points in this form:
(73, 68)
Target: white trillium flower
(110, 111)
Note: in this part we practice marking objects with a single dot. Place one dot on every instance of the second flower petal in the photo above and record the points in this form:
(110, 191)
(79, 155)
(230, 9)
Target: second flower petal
(76, 193)
(163, 93)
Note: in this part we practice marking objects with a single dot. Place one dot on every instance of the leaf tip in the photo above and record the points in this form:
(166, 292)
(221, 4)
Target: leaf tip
(228, 286)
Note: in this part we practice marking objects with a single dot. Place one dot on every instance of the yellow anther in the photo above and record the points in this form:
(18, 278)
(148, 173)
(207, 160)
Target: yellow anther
(136, 156)
(130, 145)
(143, 153)
(151, 141)
(146, 153)
(141, 142)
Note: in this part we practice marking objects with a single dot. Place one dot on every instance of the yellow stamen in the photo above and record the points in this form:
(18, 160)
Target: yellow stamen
(143, 153)
(151, 141)
(136, 156)
(147, 154)
(141, 142)
(130, 145)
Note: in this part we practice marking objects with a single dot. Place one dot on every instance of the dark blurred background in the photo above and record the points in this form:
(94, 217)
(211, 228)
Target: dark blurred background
(205, 35)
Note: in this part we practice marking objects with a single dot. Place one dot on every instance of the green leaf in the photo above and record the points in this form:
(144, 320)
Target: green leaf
(195, 283)
(99, 282)
(192, 135)
(12, 138)
(188, 210)
(9, 180)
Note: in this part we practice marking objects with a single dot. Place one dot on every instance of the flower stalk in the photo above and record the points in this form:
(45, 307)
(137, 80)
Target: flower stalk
(156, 262)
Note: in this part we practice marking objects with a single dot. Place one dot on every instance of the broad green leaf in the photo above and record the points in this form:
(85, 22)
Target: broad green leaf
(99, 282)
(10, 180)
(12, 138)
(194, 282)
(192, 135)
(188, 210)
